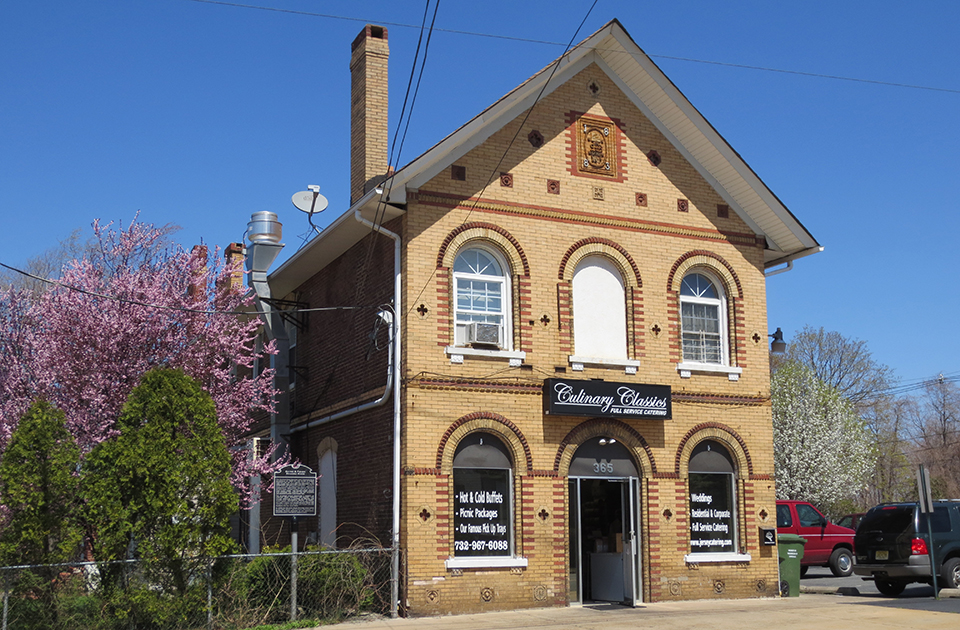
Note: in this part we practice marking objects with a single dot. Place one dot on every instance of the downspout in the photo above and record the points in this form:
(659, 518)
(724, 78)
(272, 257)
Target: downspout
(395, 562)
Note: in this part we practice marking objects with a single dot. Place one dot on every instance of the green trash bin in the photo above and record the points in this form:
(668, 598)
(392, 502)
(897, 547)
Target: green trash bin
(790, 551)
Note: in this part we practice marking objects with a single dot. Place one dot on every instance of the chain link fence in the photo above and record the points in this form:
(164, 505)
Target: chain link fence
(221, 593)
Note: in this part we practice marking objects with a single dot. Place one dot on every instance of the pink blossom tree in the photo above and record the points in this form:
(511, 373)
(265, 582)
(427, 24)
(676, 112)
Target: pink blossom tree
(136, 303)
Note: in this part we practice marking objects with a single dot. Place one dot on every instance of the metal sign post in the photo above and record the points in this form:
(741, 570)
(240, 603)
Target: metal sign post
(294, 495)
(926, 508)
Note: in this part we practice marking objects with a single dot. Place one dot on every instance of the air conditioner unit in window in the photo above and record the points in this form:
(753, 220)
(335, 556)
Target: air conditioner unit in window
(483, 334)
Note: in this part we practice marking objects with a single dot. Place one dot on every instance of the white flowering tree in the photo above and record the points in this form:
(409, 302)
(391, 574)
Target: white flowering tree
(823, 451)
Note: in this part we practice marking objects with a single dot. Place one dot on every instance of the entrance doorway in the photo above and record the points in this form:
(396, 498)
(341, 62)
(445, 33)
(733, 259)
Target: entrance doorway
(604, 524)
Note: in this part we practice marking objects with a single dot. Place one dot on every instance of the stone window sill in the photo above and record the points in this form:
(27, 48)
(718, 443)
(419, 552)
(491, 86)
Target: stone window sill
(577, 363)
(702, 558)
(485, 562)
(457, 354)
(686, 370)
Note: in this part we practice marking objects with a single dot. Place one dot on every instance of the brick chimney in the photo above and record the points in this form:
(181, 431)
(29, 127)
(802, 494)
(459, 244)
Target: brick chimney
(368, 110)
(234, 256)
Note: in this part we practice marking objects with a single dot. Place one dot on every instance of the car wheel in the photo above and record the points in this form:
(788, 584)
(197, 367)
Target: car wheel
(803, 571)
(950, 573)
(890, 589)
(841, 562)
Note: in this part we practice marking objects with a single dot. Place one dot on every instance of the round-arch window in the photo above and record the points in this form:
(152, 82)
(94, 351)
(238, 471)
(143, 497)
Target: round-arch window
(481, 299)
(712, 499)
(478, 262)
(599, 309)
(482, 497)
(481, 450)
(702, 320)
(711, 457)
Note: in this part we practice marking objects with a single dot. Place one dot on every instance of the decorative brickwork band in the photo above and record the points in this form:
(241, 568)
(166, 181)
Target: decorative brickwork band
(444, 306)
(721, 433)
(565, 315)
(494, 423)
(575, 217)
(624, 433)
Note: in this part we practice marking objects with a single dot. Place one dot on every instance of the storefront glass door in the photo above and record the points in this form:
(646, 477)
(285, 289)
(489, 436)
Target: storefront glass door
(604, 541)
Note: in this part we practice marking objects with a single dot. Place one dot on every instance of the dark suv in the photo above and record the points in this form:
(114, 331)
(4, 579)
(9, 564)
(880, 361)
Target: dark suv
(893, 546)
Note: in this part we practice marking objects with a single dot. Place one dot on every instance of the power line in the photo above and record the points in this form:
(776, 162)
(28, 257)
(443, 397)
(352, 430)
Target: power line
(184, 309)
(381, 211)
(815, 75)
(503, 156)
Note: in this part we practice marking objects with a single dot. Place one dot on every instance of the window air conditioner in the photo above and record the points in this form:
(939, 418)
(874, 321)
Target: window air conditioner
(483, 334)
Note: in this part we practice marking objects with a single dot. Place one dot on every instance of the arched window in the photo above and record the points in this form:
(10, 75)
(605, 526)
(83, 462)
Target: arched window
(328, 498)
(713, 514)
(481, 299)
(599, 310)
(482, 498)
(703, 319)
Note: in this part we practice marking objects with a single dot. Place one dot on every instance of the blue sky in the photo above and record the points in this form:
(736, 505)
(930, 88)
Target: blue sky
(199, 113)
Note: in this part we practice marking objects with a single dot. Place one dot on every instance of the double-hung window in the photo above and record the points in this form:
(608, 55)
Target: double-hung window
(481, 299)
(703, 320)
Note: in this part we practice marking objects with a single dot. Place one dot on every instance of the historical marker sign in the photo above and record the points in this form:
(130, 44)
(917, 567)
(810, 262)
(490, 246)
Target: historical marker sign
(295, 491)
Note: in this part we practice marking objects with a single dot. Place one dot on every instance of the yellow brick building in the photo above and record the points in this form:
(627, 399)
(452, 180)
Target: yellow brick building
(579, 379)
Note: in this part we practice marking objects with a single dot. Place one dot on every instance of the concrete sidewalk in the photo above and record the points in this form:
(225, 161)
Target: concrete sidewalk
(806, 611)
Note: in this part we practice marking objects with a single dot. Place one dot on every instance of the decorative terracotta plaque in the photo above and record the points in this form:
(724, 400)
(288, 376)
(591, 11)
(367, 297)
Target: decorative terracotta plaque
(596, 147)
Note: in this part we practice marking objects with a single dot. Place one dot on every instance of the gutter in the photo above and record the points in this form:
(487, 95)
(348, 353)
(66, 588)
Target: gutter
(788, 261)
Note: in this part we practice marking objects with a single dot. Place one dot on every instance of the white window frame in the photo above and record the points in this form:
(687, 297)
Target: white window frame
(687, 366)
(506, 306)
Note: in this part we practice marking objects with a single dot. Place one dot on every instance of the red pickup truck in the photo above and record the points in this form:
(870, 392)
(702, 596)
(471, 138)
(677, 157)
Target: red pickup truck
(828, 545)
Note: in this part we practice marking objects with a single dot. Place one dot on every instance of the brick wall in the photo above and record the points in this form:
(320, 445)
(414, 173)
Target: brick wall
(546, 219)
(340, 368)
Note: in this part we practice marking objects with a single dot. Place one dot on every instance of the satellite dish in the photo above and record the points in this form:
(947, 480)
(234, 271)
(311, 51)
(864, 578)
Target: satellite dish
(310, 201)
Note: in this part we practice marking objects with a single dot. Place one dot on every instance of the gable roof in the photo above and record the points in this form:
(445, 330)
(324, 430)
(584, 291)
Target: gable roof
(613, 50)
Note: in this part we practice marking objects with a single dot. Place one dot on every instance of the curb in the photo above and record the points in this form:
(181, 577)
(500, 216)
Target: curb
(945, 593)
(830, 590)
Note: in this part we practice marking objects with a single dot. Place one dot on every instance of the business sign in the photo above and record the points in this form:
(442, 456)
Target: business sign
(481, 512)
(711, 513)
(600, 399)
(768, 536)
(295, 491)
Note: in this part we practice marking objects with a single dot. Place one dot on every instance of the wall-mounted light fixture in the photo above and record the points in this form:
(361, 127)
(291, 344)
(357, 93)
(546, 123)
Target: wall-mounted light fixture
(605, 441)
(778, 345)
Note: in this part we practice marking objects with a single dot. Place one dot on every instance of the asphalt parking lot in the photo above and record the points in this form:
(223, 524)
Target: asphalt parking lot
(916, 596)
